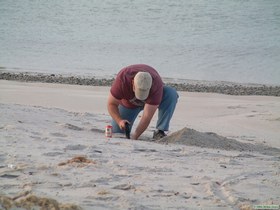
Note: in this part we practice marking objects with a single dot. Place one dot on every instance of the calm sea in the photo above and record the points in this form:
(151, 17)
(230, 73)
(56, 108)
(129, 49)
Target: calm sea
(229, 40)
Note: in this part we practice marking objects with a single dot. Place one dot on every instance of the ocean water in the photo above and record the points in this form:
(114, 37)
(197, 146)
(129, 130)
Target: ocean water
(231, 40)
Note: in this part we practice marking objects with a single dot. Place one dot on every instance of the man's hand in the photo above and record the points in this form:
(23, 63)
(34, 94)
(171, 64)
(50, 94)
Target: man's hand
(148, 113)
(122, 123)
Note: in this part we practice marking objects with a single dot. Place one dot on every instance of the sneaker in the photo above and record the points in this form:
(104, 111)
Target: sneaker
(158, 134)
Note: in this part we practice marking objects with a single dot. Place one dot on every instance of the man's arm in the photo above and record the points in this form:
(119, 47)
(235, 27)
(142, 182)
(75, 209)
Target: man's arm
(112, 106)
(148, 113)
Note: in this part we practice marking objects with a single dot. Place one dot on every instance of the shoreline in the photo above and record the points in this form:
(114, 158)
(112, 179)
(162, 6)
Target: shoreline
(228, 88)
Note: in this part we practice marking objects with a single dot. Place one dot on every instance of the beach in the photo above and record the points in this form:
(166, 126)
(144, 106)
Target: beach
(222, 152)
(58, 60)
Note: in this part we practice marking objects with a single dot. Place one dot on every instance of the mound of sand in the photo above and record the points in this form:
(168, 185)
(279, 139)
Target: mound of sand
(192, 137)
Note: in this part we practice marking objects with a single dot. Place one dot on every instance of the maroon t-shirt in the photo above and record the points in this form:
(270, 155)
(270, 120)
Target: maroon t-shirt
(122, 86)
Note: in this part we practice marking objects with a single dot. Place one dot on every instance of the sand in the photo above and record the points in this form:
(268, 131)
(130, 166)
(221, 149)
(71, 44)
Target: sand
(222, 152)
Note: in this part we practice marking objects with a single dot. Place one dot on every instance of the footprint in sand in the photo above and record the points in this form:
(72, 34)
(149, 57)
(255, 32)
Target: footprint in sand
(53, 154)
(71, 127)
(124, 187)
(144, 150)
(75, 147)
(58, 134)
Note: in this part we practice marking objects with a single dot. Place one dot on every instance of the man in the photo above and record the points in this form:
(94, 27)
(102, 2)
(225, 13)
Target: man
(136, 88)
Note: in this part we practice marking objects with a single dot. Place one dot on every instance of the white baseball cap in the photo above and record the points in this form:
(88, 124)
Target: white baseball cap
(142, 83)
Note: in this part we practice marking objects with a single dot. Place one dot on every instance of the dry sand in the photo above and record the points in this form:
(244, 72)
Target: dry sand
(222, 152)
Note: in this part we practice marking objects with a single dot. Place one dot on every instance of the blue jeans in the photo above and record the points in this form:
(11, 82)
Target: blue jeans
(165, 111)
